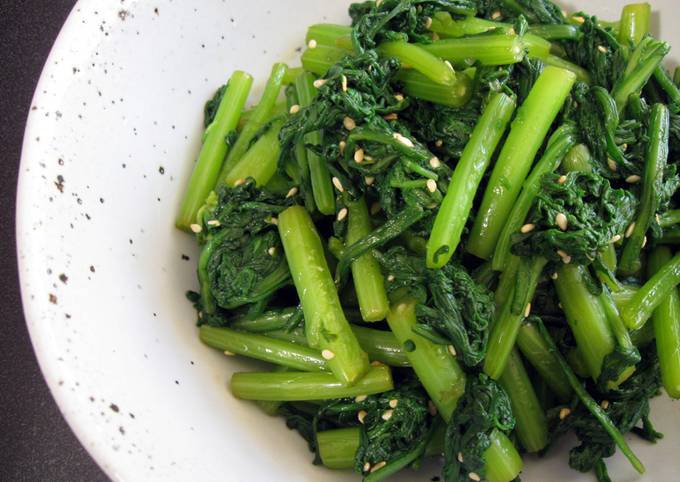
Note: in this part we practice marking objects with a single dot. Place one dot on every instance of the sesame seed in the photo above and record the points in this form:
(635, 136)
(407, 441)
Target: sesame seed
(390, 278)
(561, 221)
(564, 413)
(367, 467)
(338, 185)
(615, 239)
(611, 163)
(378, 466)
(460, 457)
(435, 163)
(602, 49)
(272, 220)
(431, 185)
(360, 398)
(399, 97)
(196, 228)
(271, 251)
(393, 403)
(403, 140)
(566, 259)
(496, 15)
(624, 147)
(562, 179)
(527, 228)
(391, 116)
(342, 214)
(343, 83)
(657, 217)
(452, 350)
(213, 222)
(359, 156)
(318, 83)
(579, 19)
(311, 44)
(228, 353)
(361, 415)
(644, 242)
(448, 64)
(438, 143)
(604, 404)
(629, 230)
(239, 182)
(633, 179)
(527, 310)
(369, 180)
(341, 146)
(428, 22)
(432, 408)
(292, 192)
(349, 123)
(474, 476)
(327, 354)
(294, 109)
(387, 414)
(375, 208)
(554, 275)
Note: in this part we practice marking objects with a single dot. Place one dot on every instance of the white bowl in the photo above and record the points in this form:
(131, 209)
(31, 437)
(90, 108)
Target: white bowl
(115, 125)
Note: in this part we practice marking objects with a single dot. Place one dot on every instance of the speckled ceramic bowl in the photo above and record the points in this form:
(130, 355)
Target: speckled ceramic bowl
(114, 127)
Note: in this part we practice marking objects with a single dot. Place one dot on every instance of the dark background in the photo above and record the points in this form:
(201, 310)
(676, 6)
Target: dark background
(35, 443)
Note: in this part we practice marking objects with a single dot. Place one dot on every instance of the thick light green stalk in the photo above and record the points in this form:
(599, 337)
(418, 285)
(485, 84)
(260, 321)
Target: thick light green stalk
(207, 169)
(492, 49)
(531, 124)
(260, 347)
(593, 407)
(322, 187)
(564, 138)
(586, 318)
(581, 74)
(669, 87)
(326, 34)
(508, 322)
(318, 60)
(280, 108)
(666, 320)
(455, 209)
(537, 353)
(258, 119)
(531, 423)
(260, 161)
(301, 386)
(291, 74)
(655, 164)
(634, 23)
(506, 282)
(639, 309)
(417, 85)
(326, 326)
(338, 447)
(368, 279)
(434, 365)
(267, 321)
(420, 59)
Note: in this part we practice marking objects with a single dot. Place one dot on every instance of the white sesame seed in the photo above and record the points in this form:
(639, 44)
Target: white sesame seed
(527, 228)
(196, 228)
(615, 239)
(387, 414)
(403, 140)
(343, 83)
(311, 44)
(633, 179)
(367, 467)
(239, 182)
(611, 163)
(375, 208)
(474, 476)
(338, 185)
(431, 185)
(361, 415)
(527, 310)
(460, 457)
(438, 143)
(496, 15)
(393, 403)
(566, 259)
(390, 278)
(271, 251)
(318, 83)
(562, 179)
(292, 192)
(448, 64)
(604, 404)
(391, 116)
(554, 275)
(644, 242)
(452, 350)
(228, 353)
(435, 163)
(564, 413)
(579, 19)
(359, 156)
(428, 22)
(431, 408)
(399, 97)
(602, 49)
(294, 109)
(213, 222)
(369, 180)
(378, 466)
(624, 147)
(368, 158)
(341, 146)
(272, 220)
(342, 214)
(657, 217)
(360, 398)
(561, 221)
(629, 230)
(327, 354)
(348, 123)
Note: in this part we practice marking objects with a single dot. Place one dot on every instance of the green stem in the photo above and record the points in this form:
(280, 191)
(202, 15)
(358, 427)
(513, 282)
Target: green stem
(338, 447)
(434, 365)
(531, 424)
(634, 23)
(301, 386)
(669, 218)
(492, 49)
(318, 60)
(669, 87)
(655, 164)
(531, 124)
(280, 108)
(420, 59)
(368, 279)
(207, 169)
(455, 208)
(581, 74)
(258, 119)
(506, 281)
(564, 138)
(326, 326)
(260, 161)
(537, 353)
(326, 33)
(417, 85)
(666, 320)
(592, 406)
(267, 321)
